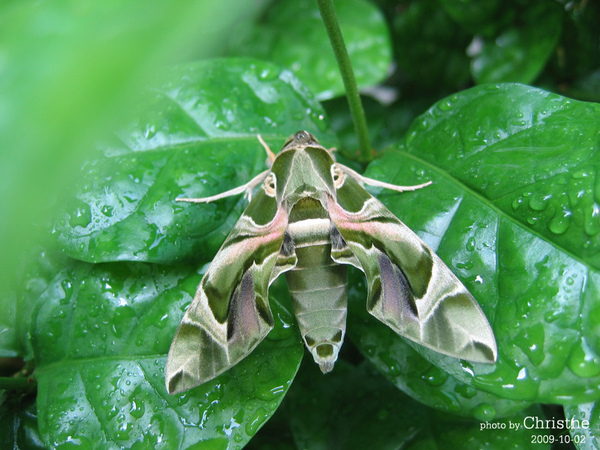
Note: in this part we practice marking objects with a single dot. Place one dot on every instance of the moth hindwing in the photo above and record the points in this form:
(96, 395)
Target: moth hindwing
(310, 218)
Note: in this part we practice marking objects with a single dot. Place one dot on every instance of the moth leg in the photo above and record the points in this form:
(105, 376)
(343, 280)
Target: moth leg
(270, 154)
(248, 188)
(364, 180)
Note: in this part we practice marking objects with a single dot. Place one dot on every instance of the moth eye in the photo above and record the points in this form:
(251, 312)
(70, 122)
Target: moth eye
(271, 185)
(338, 176)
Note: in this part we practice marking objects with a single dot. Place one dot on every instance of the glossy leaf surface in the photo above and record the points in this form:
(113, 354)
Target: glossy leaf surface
(586, 435)
(292, 35)
(437, 59)
(197, 139)
(513, 212)
(519, 52)
(374, 414)
(101, 334)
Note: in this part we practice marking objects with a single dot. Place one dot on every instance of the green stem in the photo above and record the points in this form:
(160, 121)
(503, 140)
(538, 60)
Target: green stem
(341, 55)
(17, 384)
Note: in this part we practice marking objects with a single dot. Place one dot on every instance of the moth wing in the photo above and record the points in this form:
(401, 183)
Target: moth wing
(230, 314)
(410, 289)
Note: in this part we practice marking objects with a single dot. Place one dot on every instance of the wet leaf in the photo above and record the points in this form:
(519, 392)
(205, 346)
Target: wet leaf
(292, 35)
(519, 52)
(100, 336)
(437, 59)
(197, 139)
(371, 413)
(513, 212)
(585, 435)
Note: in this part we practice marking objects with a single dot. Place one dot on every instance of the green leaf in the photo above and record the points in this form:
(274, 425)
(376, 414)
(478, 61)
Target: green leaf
(586, 435)
(513, 211)
(100, 336)
(520, 52)
(577, 58)
(197, 138)
(430, 47)
(36, 271)
(475, 15)
(355, 393)
(292, 35)
(448, 432)
(370, 413)
(18, 422)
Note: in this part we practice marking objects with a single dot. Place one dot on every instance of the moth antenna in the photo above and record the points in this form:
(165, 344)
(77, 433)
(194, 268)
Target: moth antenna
(371, 182)
(270, 154)
(247, 189)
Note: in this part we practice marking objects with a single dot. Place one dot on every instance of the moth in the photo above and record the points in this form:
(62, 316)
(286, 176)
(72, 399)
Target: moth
(311, 218)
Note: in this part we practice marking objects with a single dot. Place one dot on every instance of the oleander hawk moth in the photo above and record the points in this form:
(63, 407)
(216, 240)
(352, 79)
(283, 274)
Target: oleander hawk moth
(310, 218)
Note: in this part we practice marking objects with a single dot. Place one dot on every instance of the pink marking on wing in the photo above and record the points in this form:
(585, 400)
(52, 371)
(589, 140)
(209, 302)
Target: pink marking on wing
(355, 221)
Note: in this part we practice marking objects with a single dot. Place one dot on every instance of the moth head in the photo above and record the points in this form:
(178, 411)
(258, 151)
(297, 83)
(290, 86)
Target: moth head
(300, 139)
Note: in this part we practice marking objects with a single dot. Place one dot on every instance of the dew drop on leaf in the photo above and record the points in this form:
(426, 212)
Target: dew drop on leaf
(583, 361)
(470, 244)
(259, 417)
(434, 376)
(484, 412)
(591, 223)
(466, 391)
(560, 222)
(516, 203)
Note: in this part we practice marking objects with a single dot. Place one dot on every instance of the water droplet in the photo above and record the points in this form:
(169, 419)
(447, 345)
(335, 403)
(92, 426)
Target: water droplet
(578, 175)
(445, 105)
(370, 350)
(137, 410)
(82, 216)
(583, 361)
(539, 204)
(434, 376)
(150, 131)
(470, 244)
(107, 210)
(531, 342)
(517, 202)
(466, 391)
(255, 422)
(591, 216)
(484, 412)
(268, 74)
(560, 222)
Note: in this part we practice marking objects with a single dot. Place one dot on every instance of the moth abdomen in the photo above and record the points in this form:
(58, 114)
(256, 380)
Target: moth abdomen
(319, 296)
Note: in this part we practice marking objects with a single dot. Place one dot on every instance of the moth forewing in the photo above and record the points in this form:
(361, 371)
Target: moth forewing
(230, 312)
(410, 289)
(311, 218)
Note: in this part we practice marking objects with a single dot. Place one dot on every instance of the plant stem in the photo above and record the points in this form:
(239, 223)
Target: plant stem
(341, 55)
(17, 384)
